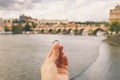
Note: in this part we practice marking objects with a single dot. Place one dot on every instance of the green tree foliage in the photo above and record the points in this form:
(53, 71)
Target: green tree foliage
(34, 25)
(18, 29)
(6, 29)
(92, 22)
(27, 27)
(115, 26)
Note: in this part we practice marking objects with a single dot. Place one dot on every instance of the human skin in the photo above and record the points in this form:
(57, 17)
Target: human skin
(55, 66)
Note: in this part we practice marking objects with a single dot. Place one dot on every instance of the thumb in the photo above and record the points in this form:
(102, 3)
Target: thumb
(55, 52)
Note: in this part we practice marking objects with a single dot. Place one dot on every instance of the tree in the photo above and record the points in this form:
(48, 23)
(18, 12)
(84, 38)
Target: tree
(27, 27)
(17, 29)
(6, 29)
(34, 25)
(115, 26)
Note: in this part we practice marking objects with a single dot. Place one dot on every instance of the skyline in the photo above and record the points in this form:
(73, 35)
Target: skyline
(77, 10)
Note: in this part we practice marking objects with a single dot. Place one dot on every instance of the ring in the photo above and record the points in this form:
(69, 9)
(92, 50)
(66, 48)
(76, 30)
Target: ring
(56, 41)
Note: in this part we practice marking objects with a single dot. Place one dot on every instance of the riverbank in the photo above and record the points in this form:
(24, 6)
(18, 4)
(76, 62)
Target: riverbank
(106, 66)
(113, 40)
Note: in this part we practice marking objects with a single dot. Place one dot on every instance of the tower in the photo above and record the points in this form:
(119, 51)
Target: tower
(115, 14)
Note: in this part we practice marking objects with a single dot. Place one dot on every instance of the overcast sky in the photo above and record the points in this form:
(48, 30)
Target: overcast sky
(73, 10)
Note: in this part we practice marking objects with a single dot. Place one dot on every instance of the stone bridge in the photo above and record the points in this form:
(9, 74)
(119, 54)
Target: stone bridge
(78, 30)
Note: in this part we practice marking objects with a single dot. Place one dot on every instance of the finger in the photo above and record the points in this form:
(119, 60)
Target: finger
(50, 53)
(61, 48)
(64, 64)
(60, 55)
(59, 60)
(65, 60)
(55, 52)
(62, 58)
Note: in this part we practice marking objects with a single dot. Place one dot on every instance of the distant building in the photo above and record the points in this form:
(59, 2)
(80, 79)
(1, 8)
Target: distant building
(0, 22)
(24, 18)
(115, 14)
(52, 21)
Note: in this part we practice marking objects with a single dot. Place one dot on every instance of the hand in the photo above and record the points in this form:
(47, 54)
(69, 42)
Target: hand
(55, 66)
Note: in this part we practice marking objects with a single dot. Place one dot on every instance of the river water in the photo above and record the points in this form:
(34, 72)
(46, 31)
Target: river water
(21, 56)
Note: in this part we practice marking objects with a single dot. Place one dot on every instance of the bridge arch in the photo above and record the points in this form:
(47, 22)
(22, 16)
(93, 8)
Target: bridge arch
(59, 31)
(69, 31)
(81, 31)
(64, 31)
(97, 30)
(42, 31)
(50, 31)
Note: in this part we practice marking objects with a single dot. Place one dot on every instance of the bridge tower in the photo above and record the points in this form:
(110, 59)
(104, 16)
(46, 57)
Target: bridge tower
(115, 14)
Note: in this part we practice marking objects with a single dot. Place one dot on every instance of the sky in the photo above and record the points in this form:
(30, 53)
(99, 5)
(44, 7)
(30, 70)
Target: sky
(72, 10)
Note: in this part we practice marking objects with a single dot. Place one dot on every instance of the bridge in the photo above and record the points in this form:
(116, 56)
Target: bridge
(78, 30)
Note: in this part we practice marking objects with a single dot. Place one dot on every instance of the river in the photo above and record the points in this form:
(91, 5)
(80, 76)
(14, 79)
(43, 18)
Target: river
(21, 56)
